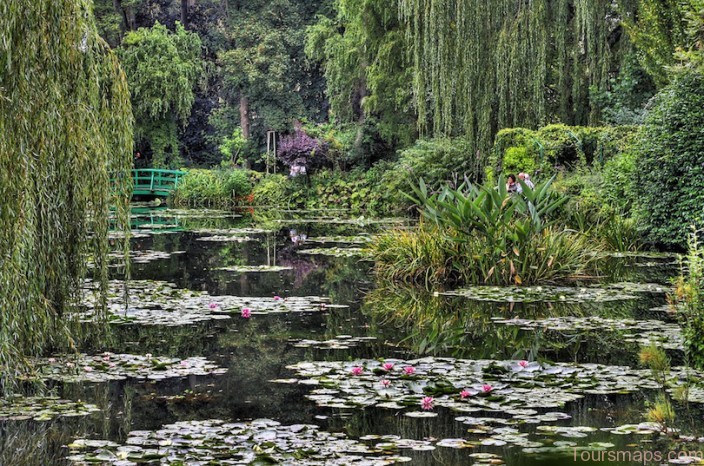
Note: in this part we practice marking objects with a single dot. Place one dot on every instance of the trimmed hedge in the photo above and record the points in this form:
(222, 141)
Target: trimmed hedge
(670, 151)
(555, 146)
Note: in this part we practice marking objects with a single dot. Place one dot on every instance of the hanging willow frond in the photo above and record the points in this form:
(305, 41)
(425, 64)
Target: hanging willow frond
(483, 65)
(65, 156)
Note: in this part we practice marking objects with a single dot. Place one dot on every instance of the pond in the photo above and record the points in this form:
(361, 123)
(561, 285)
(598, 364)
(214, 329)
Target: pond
(260, 340)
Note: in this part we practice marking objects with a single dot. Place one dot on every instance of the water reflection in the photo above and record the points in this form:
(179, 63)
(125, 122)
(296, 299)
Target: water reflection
(428, 324)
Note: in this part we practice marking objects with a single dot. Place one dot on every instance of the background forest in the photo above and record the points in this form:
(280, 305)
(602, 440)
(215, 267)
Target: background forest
(368, 95)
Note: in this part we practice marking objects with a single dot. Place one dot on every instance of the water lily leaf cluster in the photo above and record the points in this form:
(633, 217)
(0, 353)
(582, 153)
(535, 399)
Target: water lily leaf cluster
(642, 332)
(20, 408)
(334, 252)
(261, 441)
(357, 239)
(110, 366)
(162, 303)
(538, 294)
(255, 268)
(340, 342)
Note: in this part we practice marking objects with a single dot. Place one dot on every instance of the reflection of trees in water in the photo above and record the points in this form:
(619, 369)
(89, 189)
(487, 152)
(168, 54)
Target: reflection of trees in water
(302, 267)
(459, 327)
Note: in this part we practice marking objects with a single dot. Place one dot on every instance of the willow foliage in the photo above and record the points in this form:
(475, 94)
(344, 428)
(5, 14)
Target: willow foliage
(480, 65)
(65, 131)
(162, 68)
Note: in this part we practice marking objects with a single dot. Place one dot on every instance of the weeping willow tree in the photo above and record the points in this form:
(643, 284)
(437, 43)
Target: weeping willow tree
(483, 65)
(65, 155)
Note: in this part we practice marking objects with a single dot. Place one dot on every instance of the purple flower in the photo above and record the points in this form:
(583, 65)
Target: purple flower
(277, 298)
(246, 312)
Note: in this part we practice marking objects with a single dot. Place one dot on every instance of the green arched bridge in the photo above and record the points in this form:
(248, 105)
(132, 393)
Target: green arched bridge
(155, 182)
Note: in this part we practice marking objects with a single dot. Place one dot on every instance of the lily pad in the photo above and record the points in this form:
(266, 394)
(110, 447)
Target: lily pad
(162, 303)
(261, 441)
(110, 366)
(19, 408)
(537, 294)
(334, 252)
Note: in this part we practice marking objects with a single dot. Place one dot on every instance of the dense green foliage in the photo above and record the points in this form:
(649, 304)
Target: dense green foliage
(358, 191)
(483, 235)
(163, 69)
(557, 147)
(65, 132)
(688, 299)
(224, 188)
(362, 49)
(546, 57)
(670, 175)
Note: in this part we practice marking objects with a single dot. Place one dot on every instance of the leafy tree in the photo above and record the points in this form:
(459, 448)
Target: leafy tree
(65, 155)
(266, 81)
(232, 147)
(300, 150)
(115, 17)
(163, 69)
(670, 161)
(362, 48)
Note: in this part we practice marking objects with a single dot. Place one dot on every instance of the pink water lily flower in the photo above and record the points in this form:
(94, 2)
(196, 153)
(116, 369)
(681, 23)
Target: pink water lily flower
(356, 370)
(523, 364)
(69, 364)
(52, 360)
(277, 298)
(465, 394)
(214, 305)
(184, 363)
(427, 403)
(386, 383)
(486, 388)
(87, 368)
(246, 312)
(106, 358)
(409, 370)
(112, 364)
(387, 366)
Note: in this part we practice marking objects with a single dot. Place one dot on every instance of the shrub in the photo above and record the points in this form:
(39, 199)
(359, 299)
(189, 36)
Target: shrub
(483, 235)
(670, 160)
(521, 149)
(272, 191)
(437, 161)
(688, 298)
(212, 187)
(301, 150)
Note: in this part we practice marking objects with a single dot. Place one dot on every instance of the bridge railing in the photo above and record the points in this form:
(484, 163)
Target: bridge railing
(155, 181)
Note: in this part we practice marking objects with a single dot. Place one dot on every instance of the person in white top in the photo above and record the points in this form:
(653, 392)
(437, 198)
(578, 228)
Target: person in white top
(525, 177)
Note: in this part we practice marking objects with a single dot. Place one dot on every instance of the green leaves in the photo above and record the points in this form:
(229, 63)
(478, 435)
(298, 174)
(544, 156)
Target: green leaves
(162, 68)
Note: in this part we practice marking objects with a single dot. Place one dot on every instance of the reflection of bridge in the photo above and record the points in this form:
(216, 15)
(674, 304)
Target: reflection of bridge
(154, 182)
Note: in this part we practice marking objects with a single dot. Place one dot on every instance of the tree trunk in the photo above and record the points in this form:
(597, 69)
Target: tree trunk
(117, 4)
(184, 13)
(244, 116)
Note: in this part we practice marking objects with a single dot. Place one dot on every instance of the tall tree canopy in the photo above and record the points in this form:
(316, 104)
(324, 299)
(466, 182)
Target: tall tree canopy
(263, 68)
(163, 68)
(363, 50)
(65, 132)
(479, 65)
